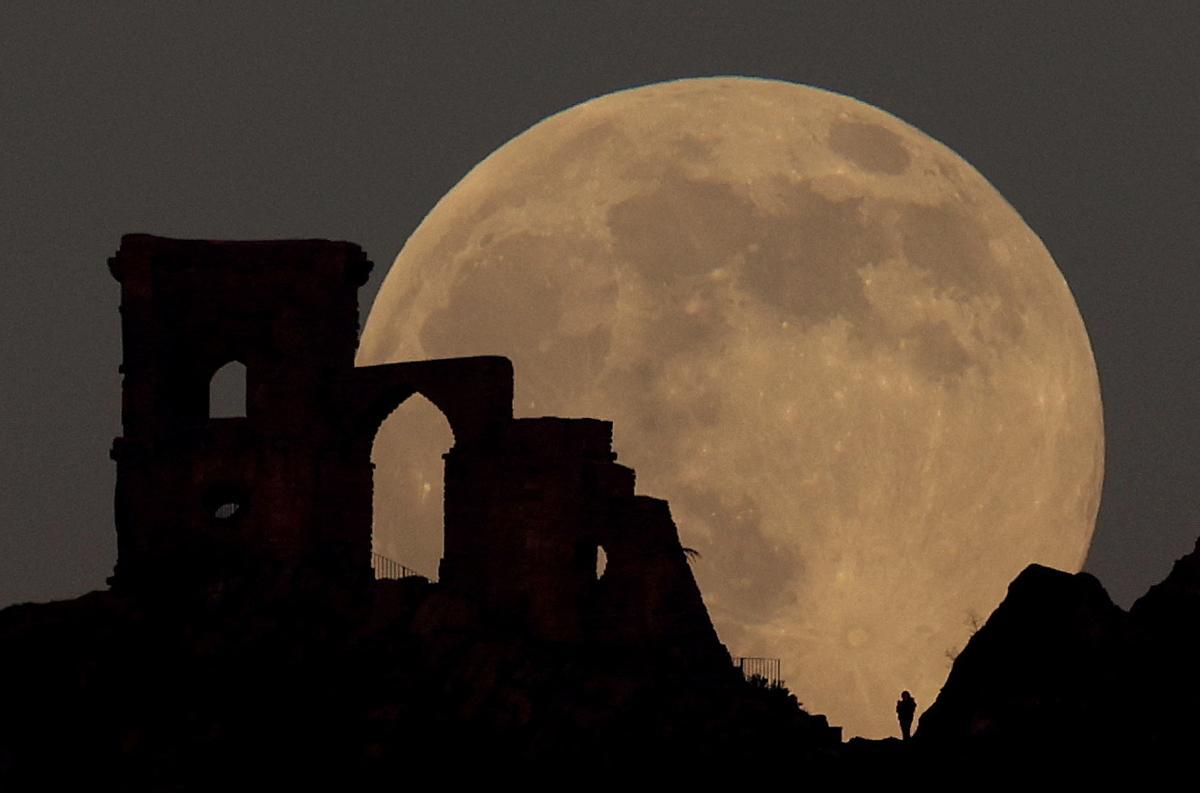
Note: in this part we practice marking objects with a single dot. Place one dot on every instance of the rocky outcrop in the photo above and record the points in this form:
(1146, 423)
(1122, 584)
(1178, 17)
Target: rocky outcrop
(1165, 626)
(1042, 667)
(1061, 673)
(1167, 606)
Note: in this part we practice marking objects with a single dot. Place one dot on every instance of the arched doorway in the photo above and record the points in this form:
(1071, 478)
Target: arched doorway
(407, 534)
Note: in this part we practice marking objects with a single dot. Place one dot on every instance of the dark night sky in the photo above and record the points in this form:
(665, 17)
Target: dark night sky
(291, 120)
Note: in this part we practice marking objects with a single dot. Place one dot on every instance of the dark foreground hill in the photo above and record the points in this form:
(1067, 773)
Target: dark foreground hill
(279, 682)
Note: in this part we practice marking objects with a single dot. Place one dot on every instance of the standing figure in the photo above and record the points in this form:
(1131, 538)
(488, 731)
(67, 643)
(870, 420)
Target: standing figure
(906, 708)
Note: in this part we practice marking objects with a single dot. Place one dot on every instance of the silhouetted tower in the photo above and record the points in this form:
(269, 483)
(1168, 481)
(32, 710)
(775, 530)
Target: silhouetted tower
(198, 495)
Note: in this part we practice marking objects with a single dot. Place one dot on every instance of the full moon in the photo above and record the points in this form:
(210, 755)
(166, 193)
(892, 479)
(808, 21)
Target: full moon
(854, 371)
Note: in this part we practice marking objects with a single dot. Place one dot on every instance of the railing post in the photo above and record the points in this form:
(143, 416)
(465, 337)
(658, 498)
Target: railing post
(768, 669)
(389, 569)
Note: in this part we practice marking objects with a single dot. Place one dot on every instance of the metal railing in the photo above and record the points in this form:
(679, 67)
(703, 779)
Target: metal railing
(764, 669)
(390, 569)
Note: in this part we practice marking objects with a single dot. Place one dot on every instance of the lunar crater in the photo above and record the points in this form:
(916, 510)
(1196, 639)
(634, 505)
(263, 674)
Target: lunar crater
(870, 147)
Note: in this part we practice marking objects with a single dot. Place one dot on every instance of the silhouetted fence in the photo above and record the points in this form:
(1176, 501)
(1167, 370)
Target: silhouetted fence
(390, 568)
(764, 668)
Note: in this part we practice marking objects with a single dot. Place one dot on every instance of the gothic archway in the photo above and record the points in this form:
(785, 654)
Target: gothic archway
(407, 532)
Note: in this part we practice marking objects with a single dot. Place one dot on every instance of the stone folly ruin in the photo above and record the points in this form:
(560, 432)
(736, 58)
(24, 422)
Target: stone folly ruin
(203, 500)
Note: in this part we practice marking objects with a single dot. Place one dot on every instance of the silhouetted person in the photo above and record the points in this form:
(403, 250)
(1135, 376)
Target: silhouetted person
(906, 708)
